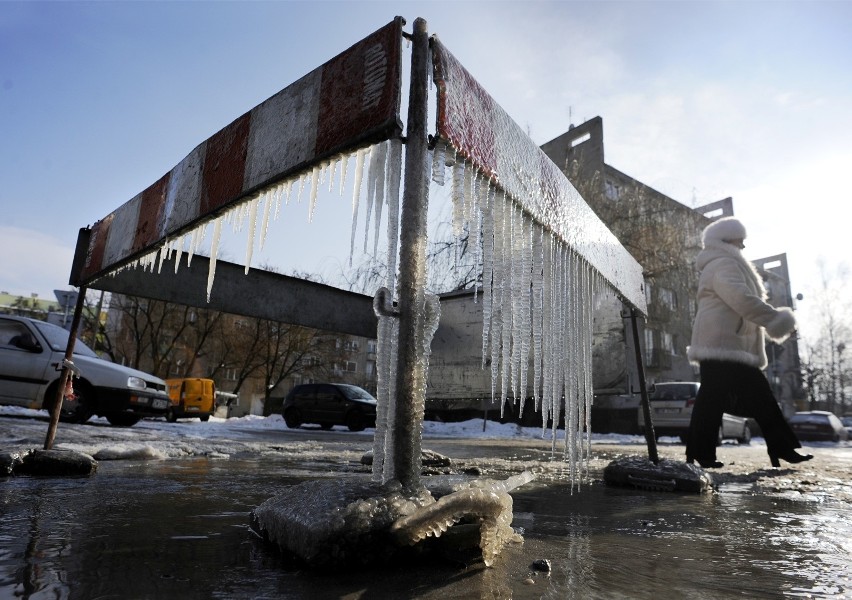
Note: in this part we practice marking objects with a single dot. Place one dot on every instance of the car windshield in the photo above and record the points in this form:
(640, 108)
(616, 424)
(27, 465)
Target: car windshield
(353, 392)
(808, 418)
(58, 339)
(673, 391)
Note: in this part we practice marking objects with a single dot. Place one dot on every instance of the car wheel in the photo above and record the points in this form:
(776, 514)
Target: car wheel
(746, 437)
(205, 417)
(171, 416)
(719, 437)
(78, 410)
(293, 418)
(326, 426)
(123, 419)
(355, 421)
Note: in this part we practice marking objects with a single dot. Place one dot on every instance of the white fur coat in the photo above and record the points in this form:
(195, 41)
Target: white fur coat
(732, 310)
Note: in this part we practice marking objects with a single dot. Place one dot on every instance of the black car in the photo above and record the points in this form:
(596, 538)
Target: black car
(818, 425)
(330, 404)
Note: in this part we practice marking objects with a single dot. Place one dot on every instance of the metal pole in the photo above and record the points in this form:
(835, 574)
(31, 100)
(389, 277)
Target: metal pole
(66, 370)
(411, 371)
(650, 438)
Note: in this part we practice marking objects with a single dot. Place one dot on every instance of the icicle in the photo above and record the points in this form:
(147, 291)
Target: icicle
(439, 162)
(458, 197)
(214, 252)
(343, 170)
(526, 308)
(315, 174)
(372, 174)
(251, 232)
(487, 267)
(163, 253)
(394, 180)
(518, 294)
(506, 302)
(356, 195)
(267, 208)
(178, 252)
(475, 245)
(381, 171)
(497, 294)
(332, 168)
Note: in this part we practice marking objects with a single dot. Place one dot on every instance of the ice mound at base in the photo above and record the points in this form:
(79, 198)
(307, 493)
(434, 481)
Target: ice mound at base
(362, 521)
(481, 499)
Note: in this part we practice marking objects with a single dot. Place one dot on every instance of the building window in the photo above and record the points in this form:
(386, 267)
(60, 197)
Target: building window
(583, 138)
(369, 368)
(371, 346)
(310, 361)
(351, 366)
(668, 299)
(649, 347)
(666, 342)
(612, 190)
(230, 374)
(649, 294)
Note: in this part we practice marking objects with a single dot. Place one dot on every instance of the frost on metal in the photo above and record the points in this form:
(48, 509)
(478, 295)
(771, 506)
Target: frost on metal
(345, 104)
(380, 162)
(546, 259)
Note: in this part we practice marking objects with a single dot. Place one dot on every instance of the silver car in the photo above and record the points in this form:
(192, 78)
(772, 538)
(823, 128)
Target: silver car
(671, 410)
(31, 356)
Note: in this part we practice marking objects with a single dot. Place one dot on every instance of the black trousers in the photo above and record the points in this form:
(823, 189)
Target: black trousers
(736, 389)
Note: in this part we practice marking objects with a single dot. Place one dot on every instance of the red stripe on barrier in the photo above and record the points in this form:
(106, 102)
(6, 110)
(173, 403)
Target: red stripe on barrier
(151, 206)
(224, 165)
(360, 91)
(464, 110)
(97, 246)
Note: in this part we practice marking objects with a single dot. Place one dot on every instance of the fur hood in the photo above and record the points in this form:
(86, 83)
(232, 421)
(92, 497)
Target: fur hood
(732, 311)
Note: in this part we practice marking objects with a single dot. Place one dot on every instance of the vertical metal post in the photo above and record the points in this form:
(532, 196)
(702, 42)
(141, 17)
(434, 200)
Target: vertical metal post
(66, 372)
(411, 371)
(650, 437)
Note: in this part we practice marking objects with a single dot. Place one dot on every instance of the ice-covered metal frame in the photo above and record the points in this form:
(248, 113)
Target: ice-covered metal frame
(351, 101)
(483, 133)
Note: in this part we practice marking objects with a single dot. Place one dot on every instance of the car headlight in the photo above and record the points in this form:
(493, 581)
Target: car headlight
(136, 382)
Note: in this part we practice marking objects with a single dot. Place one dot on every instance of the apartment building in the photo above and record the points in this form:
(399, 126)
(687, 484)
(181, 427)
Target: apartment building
(664, 236)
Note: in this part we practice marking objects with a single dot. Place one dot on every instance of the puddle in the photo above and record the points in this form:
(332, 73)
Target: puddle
(179, 529)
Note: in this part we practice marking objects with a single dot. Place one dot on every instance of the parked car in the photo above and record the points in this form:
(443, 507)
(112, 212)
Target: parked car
(847, 423)
(191, 397)
(671, 410)
(818, 425)
(330, 404)
(31, 357)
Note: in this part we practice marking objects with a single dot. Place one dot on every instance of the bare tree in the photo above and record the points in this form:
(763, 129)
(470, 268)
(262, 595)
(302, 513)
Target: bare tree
(827, 373)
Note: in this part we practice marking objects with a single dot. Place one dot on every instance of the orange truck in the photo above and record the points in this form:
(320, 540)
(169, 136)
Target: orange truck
(191, 397)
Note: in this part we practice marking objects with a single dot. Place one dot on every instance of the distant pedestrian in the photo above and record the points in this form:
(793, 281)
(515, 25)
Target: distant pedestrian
(728, 345)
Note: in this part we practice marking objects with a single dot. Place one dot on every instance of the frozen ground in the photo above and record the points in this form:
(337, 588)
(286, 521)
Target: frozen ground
(498, 449)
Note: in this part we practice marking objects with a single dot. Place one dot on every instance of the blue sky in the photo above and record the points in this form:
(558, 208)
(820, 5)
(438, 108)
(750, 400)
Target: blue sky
(700, 100)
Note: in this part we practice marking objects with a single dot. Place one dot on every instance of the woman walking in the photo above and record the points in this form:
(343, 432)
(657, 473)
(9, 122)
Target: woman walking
(728, 345)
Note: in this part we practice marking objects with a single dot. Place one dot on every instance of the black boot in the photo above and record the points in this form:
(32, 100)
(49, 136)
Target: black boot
(791, 456)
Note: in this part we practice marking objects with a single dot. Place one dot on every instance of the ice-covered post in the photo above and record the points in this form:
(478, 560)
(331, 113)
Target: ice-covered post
(67, 373)
(411, 369)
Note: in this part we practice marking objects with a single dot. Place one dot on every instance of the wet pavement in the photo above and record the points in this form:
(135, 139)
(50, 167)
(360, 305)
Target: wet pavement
(171, 522)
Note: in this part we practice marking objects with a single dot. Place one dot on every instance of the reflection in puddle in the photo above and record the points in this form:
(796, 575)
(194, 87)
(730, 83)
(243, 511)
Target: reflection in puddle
(177, 529)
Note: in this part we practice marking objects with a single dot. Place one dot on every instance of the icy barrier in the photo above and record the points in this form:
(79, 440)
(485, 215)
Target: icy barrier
(358, 521)
(544, 257)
